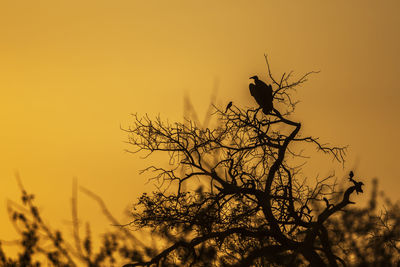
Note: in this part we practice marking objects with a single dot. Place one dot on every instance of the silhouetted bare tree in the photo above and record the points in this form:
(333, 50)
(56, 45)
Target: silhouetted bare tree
(232, 195)
(252, 206)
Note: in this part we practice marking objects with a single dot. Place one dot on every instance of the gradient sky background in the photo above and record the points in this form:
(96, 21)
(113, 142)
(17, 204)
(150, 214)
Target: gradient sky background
(71, 72)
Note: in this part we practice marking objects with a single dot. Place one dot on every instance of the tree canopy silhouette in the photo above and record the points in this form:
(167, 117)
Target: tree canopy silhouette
(234, 195)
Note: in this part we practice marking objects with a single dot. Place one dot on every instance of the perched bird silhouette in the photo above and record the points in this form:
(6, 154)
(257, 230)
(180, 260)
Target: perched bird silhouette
(228, 106)
(262, 93)
(358, 185)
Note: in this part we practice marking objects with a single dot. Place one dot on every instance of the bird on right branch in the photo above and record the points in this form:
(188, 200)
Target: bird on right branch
(262, 93)
(358, 185)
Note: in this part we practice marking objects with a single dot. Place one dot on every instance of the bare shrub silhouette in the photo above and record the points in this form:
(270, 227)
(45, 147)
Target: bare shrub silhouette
(42, 245)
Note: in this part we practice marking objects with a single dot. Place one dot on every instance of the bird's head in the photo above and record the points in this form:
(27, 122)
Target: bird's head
(255, 77)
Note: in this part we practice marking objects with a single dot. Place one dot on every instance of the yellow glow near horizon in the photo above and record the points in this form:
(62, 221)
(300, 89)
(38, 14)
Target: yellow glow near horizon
(73, 71)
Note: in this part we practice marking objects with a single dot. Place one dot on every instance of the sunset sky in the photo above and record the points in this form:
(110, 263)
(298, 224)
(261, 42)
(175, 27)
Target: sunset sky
(72, 72)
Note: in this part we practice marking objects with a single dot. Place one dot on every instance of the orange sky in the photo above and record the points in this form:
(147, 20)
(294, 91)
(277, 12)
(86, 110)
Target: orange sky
(72, 71)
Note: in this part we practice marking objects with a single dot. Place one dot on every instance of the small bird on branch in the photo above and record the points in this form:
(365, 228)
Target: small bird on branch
(357, 185)
(228, 106)
(262, 93)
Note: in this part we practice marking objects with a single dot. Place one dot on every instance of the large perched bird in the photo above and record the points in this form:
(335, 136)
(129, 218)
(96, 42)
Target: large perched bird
(262, 93)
